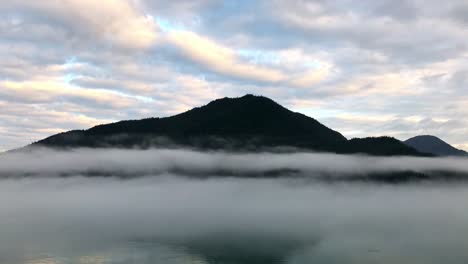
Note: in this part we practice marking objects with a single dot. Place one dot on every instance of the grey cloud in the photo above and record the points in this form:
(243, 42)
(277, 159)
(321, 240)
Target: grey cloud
(110, 27)
(406, 10)
(412, 34)
(457, 83)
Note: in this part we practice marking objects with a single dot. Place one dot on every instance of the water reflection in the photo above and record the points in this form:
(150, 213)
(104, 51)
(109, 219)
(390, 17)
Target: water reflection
(131, 252)
(146, 253)
(47, 260)
(77, 260)
(93, 260)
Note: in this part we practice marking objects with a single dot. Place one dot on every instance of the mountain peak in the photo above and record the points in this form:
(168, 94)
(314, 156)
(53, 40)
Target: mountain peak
(249, 121)
(426, 137)
(433, 145)
(246, 99)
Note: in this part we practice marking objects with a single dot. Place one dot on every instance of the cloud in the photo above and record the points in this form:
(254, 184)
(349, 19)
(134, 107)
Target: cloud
(219, 58)
(134, 163)
(155, 58)
(117, 22)
(374, 26)
(46, 91)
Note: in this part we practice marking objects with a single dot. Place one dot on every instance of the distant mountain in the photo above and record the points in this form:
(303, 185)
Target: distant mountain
(386, 146)
(434, 145)
(245, 123)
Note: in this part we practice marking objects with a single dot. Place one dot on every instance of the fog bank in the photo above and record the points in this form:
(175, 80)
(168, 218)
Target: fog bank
(47, 162)
(147, 210)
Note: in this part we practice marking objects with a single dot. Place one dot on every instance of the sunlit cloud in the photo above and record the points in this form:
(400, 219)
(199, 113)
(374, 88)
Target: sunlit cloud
(219, 58)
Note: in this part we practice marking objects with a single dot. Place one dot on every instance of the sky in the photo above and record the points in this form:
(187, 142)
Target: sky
(364, 68)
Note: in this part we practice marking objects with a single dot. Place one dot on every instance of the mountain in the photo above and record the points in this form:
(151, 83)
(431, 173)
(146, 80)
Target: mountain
(245, 123)
(383, 146)
(434, 145)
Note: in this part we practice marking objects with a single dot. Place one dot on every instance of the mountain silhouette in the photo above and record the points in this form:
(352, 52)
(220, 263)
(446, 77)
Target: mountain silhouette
(434, 145)
(245, 123)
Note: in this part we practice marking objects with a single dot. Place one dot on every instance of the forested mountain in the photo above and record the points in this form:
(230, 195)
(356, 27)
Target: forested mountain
(245, 123)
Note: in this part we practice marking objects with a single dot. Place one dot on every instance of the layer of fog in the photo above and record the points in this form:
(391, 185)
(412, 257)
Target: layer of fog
(263, 220)
(159, 161)
(290, 219)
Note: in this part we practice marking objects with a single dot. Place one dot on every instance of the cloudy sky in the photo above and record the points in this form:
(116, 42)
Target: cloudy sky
(365, 68)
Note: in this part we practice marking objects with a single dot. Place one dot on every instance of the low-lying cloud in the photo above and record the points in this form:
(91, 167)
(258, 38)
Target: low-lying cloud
(161, 215)
(134, 163)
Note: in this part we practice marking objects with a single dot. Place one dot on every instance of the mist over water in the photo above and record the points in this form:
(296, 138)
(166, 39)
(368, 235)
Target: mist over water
(137, 163)
(165, 217)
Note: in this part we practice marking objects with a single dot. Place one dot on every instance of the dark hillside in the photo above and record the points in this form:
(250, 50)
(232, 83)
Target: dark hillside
(245, 123)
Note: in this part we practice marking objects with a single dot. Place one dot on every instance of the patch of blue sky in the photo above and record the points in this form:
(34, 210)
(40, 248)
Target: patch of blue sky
(259, 56)
(70, 74)
(69, 77)
(70, 61)
(314, 64)
(167, 25)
